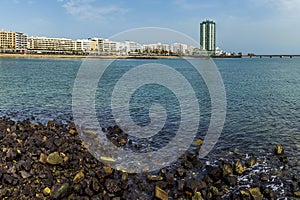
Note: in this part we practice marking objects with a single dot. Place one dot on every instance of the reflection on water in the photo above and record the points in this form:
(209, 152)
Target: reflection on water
(263, 98)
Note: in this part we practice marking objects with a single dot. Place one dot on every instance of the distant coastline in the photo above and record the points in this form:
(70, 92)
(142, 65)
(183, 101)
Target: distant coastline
(68, 56)
(15, 55)
(5, 55)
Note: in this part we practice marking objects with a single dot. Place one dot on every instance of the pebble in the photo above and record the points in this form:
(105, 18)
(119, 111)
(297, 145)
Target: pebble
(43, 158)
(154, 178)
(239, 168)
(25, 174)
(46, 191)
(278, 149)
(255, 193)
(160, 194)
(112, 186)
(78, 177)
(54, 159)
(227, 169)
(264, 177)
(60, 191)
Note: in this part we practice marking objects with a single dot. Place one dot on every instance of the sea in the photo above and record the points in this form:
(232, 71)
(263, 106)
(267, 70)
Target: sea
(262, 98)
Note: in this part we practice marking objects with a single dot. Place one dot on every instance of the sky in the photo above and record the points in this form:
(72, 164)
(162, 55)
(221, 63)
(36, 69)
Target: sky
(248, 26)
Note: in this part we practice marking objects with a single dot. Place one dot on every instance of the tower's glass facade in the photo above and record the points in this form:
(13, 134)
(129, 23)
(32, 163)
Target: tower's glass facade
(208, 36)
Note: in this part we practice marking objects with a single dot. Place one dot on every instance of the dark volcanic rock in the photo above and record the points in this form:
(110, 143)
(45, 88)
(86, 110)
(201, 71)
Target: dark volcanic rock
(51, 162)
(231, 180)
(214, 172)
(112, 186)
(60, 191)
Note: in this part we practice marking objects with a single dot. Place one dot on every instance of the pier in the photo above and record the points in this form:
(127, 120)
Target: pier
(272, 56)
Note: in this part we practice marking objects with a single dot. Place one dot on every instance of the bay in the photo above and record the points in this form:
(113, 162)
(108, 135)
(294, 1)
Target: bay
(263, 98)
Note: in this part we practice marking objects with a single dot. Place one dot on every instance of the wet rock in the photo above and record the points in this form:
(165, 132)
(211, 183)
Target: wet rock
(214, 191)
(181, 171)
(278, 149)
(214, 172)
(122, 141)
(170, 178)
(264, 177)
(231, 180)
(1, 135)
(251, 161)
(54, 159)
(197, 196)
(162, 184)
(245, 194)
(72, 131)
(51, 124)
(155, 178)
(108, 170)
(227, 169)
(187, 164)
(269, 194)
(239, 168)
(283, 159)
(160, 194)
(78, 177)
(124, 176)
(60, 191)
(193, 185)
(297, 194)
(180, 185)
(112, 186)
(255, 193)
(138, 146)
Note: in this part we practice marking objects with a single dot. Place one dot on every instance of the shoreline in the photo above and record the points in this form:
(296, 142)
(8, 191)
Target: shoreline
(4, 55)
(62, 56)
(50, 162)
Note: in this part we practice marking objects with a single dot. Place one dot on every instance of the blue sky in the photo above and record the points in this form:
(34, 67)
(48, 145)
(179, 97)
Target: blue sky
(259, 26)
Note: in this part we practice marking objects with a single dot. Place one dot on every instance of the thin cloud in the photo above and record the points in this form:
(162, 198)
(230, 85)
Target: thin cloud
(188, 5)
(283, 6)
(85, 9)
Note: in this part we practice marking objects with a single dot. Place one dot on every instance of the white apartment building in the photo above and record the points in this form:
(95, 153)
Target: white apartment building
(156, 47)
(82, 45)
(50, 44)
(131, 46)
(21, 41)
(109, 47)
(179, 48)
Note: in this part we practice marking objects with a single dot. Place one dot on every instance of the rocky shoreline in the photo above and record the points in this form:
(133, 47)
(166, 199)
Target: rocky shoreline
(50, 162)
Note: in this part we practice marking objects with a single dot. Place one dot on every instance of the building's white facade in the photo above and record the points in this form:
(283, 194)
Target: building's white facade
(50, 44)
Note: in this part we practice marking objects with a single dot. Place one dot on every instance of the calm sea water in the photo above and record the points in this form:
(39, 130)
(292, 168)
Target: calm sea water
(263, 98)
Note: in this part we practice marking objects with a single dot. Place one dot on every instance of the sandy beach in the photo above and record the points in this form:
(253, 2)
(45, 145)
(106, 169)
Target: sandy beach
(6, 55)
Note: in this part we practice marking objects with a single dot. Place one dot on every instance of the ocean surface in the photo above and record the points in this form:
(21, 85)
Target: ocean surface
(263, 99)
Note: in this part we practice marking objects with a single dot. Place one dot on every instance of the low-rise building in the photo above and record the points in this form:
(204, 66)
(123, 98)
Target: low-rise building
(45, 44)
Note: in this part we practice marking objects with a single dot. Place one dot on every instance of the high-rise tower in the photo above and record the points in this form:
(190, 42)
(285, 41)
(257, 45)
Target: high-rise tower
(208, 36)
